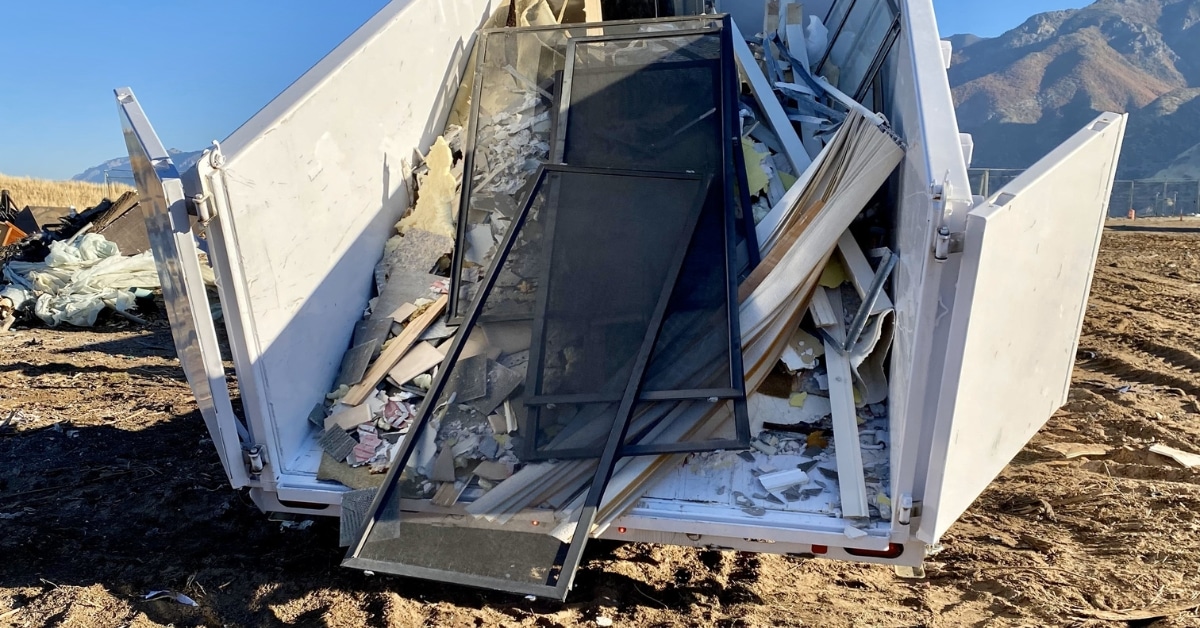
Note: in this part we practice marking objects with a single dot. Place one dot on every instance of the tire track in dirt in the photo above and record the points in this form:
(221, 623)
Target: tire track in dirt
(1180, 309)
(1125, 368)
(1180, 358)
(1176, 356)
(1131, 274)
(1117, 321)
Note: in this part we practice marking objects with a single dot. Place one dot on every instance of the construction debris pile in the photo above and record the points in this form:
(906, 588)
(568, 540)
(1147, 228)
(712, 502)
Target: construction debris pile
(646, 260)
(60, 266)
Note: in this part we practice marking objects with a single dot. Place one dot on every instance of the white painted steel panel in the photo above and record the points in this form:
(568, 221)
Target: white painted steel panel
(176, 256)
(308, 193)
(918, 102)
(1027, 267)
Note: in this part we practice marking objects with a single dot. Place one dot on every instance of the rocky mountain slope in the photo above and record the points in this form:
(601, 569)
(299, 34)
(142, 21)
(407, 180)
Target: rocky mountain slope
(1022, 93)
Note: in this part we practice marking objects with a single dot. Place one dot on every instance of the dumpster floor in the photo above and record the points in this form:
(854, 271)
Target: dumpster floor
(109, 489)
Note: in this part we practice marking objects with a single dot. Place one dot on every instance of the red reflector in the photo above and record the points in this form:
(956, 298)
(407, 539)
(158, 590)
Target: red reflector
(820, 549)
(621, 529)
(894, 550)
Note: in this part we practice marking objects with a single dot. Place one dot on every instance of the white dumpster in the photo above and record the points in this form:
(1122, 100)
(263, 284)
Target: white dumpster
(989, 293)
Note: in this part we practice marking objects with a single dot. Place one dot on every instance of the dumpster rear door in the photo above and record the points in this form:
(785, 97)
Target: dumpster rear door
(163, 204)
(1026, 270)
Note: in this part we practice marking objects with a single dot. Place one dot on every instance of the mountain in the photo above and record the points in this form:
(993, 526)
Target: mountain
(1024, 92)
(118, 169)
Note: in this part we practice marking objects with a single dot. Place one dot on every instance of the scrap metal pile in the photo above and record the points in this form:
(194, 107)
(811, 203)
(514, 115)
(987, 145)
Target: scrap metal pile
(629, 273)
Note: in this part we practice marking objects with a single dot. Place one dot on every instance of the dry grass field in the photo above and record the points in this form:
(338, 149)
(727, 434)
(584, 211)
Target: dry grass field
(43, 192)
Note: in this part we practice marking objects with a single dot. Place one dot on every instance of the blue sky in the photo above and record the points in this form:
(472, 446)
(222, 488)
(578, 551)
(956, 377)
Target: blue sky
(200, 69)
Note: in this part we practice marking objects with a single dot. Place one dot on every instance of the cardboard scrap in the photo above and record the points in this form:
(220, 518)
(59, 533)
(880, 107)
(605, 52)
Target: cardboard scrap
(1075, 450)
(1187, 459)
(756, 176)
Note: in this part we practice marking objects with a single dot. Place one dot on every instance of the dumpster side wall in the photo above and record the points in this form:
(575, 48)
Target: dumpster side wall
(313, 184)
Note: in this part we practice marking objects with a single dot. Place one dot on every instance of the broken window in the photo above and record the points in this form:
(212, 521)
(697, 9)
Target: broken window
(862, 33)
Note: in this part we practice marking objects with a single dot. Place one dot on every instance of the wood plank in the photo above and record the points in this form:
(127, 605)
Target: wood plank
(771, 19)
(393, 352)
(821, 310)
(847, 447)
(860, 272)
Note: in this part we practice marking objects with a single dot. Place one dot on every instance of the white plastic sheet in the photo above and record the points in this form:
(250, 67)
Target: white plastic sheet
(79, 279)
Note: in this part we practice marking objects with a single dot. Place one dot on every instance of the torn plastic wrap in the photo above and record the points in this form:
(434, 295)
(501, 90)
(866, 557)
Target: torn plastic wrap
(79, 279)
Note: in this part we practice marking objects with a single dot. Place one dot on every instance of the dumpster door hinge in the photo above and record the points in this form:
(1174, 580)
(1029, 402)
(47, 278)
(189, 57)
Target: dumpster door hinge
(905, 511)
(945, 241)
(202, 207)
(255, 459)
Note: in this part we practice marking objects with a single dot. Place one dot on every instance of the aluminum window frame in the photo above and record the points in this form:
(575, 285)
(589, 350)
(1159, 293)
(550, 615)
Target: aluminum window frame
(609, 454)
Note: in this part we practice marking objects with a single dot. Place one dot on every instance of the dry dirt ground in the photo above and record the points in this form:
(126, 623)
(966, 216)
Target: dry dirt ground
(110, 488)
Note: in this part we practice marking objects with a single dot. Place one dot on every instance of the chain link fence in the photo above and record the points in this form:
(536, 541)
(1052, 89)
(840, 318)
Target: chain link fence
(1145, 197)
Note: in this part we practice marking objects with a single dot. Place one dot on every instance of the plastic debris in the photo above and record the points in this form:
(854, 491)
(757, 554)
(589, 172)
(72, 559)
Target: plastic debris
(170, 595)
(816, 37)
(78, 280)
(1184, 458)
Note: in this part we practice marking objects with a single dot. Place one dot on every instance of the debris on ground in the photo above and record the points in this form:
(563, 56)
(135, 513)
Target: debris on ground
(170, 595)
(1187, 459)
(68, 267)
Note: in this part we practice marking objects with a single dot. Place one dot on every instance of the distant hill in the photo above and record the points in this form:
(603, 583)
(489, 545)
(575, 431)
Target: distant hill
(119, 168)
(1024, 92)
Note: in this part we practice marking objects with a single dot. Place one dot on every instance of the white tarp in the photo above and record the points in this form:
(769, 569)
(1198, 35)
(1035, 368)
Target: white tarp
(79, 279)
